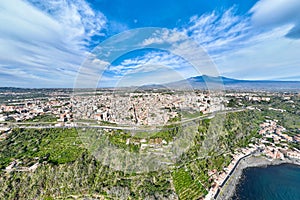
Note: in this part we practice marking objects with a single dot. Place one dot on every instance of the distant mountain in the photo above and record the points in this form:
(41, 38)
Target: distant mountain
(204, 82)
(198, 82)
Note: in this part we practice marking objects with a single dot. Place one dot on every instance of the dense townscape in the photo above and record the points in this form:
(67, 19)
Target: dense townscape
(146, 108)
(150, 108)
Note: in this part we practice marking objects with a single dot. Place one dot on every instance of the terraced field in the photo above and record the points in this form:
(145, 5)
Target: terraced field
(186, 186)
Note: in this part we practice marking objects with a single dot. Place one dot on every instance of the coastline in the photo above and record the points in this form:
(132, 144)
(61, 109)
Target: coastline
(229, 187)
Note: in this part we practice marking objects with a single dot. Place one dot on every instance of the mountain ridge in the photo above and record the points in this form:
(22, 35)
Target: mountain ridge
(205, 82)
(201, 82)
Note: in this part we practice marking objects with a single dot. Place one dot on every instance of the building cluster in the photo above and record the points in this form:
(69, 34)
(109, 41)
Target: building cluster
(262, 97)
(220, 178)
(147, 108)
(249, 96)
(30, 109)
(274, 144)
(122, 108)
(275, 141)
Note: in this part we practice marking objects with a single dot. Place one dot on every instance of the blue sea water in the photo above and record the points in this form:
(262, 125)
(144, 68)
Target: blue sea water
(279, 182)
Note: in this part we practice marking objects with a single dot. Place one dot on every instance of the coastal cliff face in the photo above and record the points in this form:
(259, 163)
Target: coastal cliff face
(229, 189)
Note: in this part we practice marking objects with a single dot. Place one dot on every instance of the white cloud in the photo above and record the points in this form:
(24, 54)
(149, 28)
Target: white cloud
(78, 18)
(165, 36)
(219, 32)
(214, 32)
(276, 57)
(239, 49)
(151, 59)
(267, 53)
(276, 13)
(46, 40)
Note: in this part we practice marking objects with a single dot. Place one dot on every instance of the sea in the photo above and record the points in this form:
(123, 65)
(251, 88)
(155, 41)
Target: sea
(277, 182)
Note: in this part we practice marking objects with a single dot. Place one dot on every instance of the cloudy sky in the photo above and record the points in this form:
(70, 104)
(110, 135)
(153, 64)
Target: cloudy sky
(50, 43)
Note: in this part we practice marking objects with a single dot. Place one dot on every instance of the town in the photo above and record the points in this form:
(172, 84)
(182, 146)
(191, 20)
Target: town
(111, 110)
(126, 108)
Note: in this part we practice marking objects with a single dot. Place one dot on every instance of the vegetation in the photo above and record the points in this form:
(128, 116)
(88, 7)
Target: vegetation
(288, 112)
(43, 118)
(191, 115)
(186, 186)
(56, 146)
(120, 139)
(67, 170)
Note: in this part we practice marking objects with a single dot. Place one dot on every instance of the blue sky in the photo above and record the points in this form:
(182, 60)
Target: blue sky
(44, 43)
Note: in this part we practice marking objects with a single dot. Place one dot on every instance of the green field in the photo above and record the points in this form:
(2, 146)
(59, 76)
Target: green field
(186, 186)
(67, 170)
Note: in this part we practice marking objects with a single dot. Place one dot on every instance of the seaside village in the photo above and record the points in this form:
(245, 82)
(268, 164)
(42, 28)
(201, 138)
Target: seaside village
(273, 144)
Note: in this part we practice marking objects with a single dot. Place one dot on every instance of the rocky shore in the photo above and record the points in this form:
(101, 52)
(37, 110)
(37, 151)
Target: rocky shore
(253, 161)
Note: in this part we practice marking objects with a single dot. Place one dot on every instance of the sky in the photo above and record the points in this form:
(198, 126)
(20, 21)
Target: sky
(63, 43)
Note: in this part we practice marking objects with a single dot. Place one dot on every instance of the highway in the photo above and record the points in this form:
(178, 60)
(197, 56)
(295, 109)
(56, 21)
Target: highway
(48, 125)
